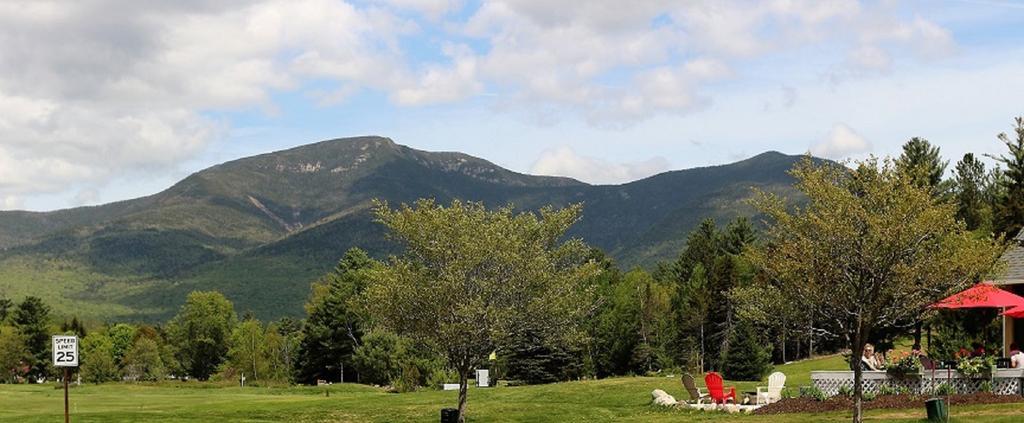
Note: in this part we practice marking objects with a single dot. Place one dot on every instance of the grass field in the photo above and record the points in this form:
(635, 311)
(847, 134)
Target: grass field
(617, 399)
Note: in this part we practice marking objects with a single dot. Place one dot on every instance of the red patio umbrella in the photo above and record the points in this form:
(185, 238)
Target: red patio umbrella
(1016, 312)
(982, 295)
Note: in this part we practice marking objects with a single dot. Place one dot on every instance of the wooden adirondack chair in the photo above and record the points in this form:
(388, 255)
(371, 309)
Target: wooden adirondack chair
(772, 392)
(717, 391)
(696, 396)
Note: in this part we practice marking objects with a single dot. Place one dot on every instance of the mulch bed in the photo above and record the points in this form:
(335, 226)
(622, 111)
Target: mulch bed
(841, 403)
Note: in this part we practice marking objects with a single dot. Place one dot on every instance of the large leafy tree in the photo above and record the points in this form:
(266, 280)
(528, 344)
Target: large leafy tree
(201, 331)
(283, 338)
(98, 364)
(869, 252)
(142, 361)
(13, 354)
(471, 277)
(248, 352)
(335, 325)
(1009, 212)
(32, 319)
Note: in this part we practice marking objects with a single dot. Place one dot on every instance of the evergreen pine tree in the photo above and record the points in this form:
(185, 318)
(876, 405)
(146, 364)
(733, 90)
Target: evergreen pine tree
(32, 319)
(972, 208)
(922, 161)
(334, 328)
(1009, 213)
(748, 356)
(529, 359)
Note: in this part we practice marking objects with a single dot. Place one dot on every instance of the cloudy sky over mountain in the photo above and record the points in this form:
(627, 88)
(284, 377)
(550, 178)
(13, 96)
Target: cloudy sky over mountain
(102, 100)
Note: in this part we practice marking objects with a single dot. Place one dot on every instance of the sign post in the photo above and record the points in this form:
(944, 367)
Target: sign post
(65, 354)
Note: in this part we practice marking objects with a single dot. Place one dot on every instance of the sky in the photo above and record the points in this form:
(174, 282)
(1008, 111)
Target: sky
(104, 100)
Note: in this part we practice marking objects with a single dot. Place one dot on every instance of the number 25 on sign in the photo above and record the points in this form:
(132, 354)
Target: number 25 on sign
(65, 354)
(65, 351)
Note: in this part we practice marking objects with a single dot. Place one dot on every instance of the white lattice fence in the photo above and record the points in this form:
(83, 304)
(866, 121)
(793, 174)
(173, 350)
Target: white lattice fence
(1003, 382)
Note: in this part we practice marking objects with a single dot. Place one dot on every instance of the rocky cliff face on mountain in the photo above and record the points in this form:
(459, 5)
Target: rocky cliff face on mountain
(262, 228)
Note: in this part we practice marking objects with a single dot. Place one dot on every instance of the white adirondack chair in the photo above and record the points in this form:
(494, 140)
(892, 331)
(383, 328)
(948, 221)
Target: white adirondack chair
(772, 392)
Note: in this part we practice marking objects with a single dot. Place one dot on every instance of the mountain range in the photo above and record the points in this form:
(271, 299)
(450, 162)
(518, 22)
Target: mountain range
(262, 228)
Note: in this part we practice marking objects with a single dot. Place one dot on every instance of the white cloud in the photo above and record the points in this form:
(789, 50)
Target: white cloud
(564, 161)
(840, 143)
(87, 196)
(92, 89)
(433, 9)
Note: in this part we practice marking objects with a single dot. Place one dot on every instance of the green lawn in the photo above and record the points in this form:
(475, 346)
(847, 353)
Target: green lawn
(617, 399)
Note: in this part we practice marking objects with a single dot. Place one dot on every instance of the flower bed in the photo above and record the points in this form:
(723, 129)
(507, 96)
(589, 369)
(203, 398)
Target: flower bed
(843, 403)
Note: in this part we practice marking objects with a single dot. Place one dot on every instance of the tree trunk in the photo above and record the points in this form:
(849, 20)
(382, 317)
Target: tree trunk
(463, 391)
(917, 335)
(858, 391)
(783, 346)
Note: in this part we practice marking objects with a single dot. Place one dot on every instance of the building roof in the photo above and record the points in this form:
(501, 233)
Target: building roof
(1014, 258)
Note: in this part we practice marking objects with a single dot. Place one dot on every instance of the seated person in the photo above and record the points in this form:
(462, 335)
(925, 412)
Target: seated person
(1016, 356)
(868, 361)
(978, 349)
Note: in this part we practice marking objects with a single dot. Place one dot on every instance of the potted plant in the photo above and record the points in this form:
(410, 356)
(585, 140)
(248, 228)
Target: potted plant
(976, 367)
(903, 365)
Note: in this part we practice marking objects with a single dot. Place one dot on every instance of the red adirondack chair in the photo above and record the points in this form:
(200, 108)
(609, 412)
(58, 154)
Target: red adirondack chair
(718, 395)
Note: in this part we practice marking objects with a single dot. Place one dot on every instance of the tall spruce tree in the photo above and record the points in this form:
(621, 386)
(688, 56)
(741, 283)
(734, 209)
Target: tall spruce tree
(922, 161)
(335, 326)
(971, 182)
(749, 356)
(32, 319)
(703, 308)
(1009, 212)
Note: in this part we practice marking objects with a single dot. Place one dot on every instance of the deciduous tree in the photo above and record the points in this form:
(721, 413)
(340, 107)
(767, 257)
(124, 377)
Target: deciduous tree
(13, 354)
(143, 362)
(470, 277)
(869, 252)
(200, 332)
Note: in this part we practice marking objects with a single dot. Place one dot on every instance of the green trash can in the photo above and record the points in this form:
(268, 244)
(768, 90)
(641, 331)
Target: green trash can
(449, 415)
(937, 411)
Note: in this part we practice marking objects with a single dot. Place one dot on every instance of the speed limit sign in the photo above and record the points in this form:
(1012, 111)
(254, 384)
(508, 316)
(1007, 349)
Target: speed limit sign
(65, 351)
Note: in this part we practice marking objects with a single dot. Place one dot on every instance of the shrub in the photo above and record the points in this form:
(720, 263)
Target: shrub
(747, 357)
(439, 376)
(887, 390)
(944, 389)
(985, 386)
(409, 379)
(533, 360)
(846, 390)
(813, 392)
(385, 358)
(868, 396)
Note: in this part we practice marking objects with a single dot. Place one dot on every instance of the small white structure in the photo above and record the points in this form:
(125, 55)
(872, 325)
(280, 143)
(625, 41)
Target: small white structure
(483, 378)
(450, 387)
